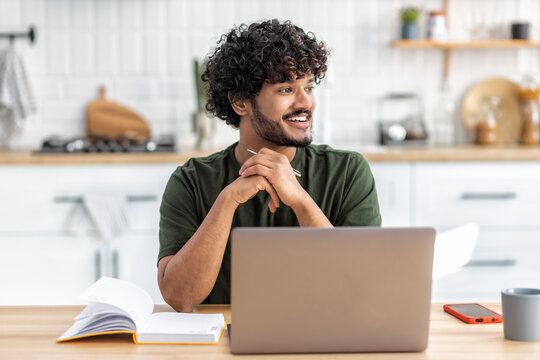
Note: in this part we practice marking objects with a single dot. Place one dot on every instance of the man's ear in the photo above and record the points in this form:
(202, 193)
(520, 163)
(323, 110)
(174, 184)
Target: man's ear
(240, 106)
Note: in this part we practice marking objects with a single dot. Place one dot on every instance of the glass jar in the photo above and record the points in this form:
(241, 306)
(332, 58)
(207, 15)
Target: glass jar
(530, 112)
(443, 127)
(486, 124)
(437, 26)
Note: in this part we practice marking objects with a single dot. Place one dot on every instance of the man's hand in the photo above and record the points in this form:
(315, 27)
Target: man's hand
(277, 170)
(244, 188)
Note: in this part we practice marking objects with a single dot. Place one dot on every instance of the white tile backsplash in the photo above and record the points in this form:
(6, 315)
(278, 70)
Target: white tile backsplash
(155, 52)
(131, 14)
(57, 13)
(106, 14)
(82, 14)
(10, 13)
(57, 44)
(131, 52)
(83, 53)
(143, 51)
(107, 53)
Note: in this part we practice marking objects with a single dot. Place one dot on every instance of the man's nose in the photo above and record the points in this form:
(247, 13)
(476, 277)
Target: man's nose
(304, 100)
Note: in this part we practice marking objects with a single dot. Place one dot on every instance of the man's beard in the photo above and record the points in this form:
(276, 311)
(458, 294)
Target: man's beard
(273, 131)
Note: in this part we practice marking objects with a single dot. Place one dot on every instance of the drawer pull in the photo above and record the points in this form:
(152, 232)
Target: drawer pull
(489, 196)
(97, 264)
(129, 198)
(494, 262)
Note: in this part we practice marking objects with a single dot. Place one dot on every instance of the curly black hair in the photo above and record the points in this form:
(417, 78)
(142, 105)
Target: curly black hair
(247, 56)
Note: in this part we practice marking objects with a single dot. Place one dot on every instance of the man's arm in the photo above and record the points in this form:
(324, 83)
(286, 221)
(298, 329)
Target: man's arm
(186, 278)
(276, 168)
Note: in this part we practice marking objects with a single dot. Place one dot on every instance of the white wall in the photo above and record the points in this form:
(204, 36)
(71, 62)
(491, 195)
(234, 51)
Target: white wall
(142, 50)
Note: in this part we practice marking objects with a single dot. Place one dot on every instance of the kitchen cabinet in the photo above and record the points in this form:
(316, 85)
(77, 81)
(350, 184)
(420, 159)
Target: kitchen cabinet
(44, 268)
(50, 242)
(393, 183)
(51, 251)
(503, 198)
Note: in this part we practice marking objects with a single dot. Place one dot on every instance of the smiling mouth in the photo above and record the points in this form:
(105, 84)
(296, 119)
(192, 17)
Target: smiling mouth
(303, 118)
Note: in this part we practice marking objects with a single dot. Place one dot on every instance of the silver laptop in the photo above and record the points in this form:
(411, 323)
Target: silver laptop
(348, 289)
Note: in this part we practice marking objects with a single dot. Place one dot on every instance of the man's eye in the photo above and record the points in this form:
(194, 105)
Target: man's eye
(310, 89)
(286, 90)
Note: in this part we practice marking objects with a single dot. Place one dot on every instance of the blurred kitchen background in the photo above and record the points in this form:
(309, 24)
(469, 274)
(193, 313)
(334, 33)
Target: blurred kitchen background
(66, 221)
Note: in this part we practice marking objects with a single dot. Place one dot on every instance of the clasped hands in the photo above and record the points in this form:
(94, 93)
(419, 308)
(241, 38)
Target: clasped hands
(268, 171)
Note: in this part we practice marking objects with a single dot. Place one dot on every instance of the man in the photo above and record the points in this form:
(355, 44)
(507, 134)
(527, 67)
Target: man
(261, 80)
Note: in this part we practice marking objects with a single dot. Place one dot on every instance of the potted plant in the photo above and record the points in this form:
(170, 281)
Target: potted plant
(409, 23)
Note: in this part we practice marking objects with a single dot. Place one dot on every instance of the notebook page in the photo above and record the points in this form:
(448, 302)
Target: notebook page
(131, 298)
(183, 323)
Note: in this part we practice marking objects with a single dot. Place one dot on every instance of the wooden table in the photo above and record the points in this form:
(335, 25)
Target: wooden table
(30, 332)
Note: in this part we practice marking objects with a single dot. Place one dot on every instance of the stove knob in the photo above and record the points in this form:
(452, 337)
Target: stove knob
(151, 146)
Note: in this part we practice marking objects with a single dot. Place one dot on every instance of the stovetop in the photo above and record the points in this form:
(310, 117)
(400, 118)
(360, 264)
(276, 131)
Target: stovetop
(59, 144)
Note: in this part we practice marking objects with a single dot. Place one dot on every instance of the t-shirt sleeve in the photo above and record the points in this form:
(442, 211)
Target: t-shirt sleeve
(360, 206)
(178, 216)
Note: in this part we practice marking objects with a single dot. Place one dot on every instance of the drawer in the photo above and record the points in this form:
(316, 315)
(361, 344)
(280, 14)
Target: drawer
(44, 197)
(496, 195)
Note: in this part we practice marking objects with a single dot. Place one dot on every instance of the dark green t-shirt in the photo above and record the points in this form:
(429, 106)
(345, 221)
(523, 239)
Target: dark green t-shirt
(340, 182)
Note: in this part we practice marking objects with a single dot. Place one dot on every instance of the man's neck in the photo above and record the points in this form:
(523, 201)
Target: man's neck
(242, 154)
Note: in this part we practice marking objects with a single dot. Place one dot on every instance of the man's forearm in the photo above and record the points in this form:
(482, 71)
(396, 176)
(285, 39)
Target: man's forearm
(189, 276)
(309, 214)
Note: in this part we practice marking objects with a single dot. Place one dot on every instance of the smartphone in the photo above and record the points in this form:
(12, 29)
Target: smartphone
(473, 313)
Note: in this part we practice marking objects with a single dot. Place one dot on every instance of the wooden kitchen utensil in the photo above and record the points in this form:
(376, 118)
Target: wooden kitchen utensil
(106, 118)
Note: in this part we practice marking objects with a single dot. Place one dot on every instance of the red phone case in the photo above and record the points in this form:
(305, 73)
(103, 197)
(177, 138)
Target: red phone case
(474, 320)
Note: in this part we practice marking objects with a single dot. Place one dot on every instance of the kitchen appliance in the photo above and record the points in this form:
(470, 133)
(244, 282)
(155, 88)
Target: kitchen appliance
(401, 120)
(103, 144)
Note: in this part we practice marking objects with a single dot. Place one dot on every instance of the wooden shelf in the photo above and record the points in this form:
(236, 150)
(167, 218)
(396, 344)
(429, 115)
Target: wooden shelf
(486, 44)
(447, 46)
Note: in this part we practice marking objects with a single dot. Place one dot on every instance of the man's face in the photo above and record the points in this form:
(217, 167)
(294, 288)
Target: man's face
(282, 112)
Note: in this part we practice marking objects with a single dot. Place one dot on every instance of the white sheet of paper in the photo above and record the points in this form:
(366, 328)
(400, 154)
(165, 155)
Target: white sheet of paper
(453, 249)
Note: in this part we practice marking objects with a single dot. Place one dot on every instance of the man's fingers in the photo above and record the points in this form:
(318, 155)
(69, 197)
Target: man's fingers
(263, 184)
(257, 170)
(272, 206)
(256, 160)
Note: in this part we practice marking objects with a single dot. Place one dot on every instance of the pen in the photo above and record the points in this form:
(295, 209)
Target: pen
(296, 172)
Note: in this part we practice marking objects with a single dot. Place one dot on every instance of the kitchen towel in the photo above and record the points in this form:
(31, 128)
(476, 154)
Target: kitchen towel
(109, 213)
(17, 100)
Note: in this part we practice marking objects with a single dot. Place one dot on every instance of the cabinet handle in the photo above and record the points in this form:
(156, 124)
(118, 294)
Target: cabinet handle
(141, 198)
(115, 272)
(489, 196)
(129, 198)
(494, 262)
(97, 264)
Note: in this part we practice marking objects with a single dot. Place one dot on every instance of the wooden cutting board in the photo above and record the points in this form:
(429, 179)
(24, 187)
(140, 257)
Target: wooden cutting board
(106, 118)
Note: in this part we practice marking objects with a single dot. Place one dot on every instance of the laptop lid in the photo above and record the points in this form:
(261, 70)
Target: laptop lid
(348, 289)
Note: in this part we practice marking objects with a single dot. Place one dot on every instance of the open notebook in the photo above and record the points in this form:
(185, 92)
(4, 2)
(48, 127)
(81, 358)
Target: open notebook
(117, 306)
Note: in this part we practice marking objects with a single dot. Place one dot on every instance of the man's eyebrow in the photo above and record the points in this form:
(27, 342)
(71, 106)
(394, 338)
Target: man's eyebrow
(311, 80)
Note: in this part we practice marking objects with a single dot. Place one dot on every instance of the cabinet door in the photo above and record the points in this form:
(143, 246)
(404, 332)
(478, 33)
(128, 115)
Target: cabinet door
(490, 194)
(501, 259)
(45, 269)
(392, 181)
(46, 257)
(137, 261)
